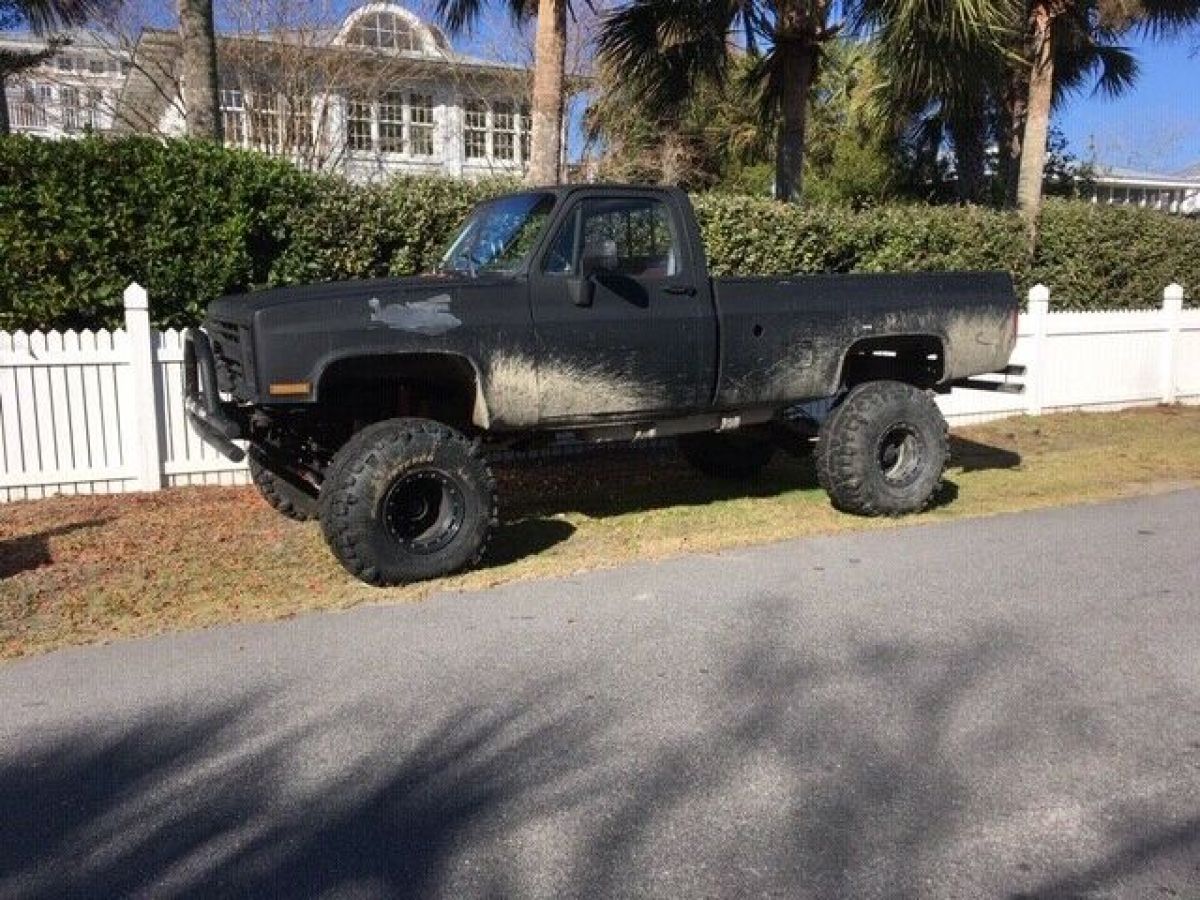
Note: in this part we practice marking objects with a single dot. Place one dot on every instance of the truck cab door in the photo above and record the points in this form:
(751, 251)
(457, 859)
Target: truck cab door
(623, 322)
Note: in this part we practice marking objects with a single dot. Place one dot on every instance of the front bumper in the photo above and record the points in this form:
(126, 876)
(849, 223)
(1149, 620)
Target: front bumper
(218, 423)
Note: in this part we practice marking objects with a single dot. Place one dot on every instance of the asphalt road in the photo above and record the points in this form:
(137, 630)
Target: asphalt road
(1005, 708)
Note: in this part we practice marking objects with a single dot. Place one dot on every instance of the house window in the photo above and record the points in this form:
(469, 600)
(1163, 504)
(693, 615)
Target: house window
(504, 126)
(526, 130)
(299, 123)
(391, 122)
(420, 124)
(91, 111)
(475, 130)
(28, 105)
(233, 116)
(358, 124)
(97, 66)
(69, 100)
(266, 131)
(384, 31)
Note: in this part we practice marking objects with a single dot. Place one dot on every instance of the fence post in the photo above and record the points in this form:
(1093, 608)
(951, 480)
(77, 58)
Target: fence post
(1035, 380)
(140, 411)
(1172, 308)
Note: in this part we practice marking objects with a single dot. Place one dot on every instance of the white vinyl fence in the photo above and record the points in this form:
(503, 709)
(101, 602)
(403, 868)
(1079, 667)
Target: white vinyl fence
(102, 412)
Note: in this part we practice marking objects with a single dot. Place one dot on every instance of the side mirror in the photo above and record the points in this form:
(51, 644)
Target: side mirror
(582, 291)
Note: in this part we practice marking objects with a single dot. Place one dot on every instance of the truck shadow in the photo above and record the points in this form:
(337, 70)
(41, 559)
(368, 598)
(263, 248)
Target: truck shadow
(516, 539)
(628, 480)
(973, 456)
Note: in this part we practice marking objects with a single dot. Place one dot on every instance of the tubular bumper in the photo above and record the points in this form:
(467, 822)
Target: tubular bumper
(202, 401)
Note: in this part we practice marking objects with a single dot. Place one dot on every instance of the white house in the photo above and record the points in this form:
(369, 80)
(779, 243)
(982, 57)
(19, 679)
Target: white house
(74, 91)
(1175, 193)
(382, 92)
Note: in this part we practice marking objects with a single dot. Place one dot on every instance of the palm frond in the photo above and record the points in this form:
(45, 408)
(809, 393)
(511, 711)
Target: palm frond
(45, 16)
(462, 15)
(663, 48)
(1118, 70)
(1166, 18)
(1087, 54)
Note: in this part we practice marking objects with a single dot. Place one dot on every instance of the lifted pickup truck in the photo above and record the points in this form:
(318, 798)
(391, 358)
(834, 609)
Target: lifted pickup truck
(370, 404)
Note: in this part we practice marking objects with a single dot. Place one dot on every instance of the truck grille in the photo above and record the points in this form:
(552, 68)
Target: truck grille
(231, 349)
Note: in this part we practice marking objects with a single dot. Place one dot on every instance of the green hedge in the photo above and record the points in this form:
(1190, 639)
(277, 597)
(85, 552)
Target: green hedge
(80, 219)
(1092, 257)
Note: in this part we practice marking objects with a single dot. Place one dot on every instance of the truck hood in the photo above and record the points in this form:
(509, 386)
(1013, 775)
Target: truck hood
(240, 309)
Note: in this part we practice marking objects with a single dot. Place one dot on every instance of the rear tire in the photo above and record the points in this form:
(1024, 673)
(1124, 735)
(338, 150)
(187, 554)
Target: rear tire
(406, 500)
(882, 452)
(734, 454)
(287, 499)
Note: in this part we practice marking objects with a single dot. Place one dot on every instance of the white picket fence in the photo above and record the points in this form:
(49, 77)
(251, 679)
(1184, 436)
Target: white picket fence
(102, 412)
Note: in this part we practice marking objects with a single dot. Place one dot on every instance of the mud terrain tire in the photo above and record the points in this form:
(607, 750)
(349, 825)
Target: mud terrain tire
(406, 500)
(736, 454)
(286, 499)
(882, 452)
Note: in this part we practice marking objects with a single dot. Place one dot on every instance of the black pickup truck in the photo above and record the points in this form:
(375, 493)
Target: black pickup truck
(372, 404)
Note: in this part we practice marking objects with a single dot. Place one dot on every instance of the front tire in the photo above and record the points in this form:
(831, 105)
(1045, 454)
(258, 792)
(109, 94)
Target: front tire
(284, 498)
(882, 452)
(406, 500)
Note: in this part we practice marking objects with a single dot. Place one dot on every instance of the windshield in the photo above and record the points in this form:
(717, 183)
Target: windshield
(498, 235)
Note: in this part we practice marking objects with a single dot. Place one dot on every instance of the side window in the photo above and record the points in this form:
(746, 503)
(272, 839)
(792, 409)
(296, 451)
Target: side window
(633, 237)
(560, 258)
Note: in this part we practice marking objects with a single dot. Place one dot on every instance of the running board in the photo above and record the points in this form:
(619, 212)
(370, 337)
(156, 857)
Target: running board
(995, 387)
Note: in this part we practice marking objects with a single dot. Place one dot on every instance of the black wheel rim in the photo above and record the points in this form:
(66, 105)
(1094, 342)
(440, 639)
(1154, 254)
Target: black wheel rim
(899, 455)
(424, 511)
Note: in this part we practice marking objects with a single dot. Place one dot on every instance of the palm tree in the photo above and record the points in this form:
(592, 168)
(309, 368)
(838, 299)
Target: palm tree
(941, 59)
(1067, 41)
(47, 18)
(198, 59)
(666, 48)
(970, 87)
(549, 74)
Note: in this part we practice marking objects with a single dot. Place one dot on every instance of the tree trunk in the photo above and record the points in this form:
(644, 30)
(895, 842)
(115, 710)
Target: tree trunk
(970, 155)
(798, 63)
(1037, 121)
(549, 76)
(1013, 113)
(672, 156)
(5, 128)
(199, 60)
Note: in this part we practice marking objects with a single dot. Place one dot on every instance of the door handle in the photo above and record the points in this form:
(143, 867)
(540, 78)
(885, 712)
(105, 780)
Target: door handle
(685, 290)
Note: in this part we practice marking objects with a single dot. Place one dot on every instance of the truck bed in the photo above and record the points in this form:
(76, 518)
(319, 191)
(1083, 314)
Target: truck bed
(787, 338)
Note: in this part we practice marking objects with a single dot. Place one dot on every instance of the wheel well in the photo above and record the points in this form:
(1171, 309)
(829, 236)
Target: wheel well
(918, 359)
(367, 389)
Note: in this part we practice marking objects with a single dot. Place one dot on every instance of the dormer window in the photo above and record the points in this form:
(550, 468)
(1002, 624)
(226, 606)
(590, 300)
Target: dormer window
(384, 31)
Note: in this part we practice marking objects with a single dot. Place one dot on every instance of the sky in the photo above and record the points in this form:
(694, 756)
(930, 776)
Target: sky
(1155, 126)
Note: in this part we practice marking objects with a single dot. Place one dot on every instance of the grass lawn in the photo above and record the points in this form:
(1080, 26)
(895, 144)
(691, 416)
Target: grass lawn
(86, 569)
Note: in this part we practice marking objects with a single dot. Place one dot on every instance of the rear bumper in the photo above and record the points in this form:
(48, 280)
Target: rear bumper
(218, 423)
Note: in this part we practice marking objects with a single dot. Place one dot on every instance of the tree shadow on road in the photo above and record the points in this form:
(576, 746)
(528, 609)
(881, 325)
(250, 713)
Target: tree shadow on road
(1144, 847)
(837, 772)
